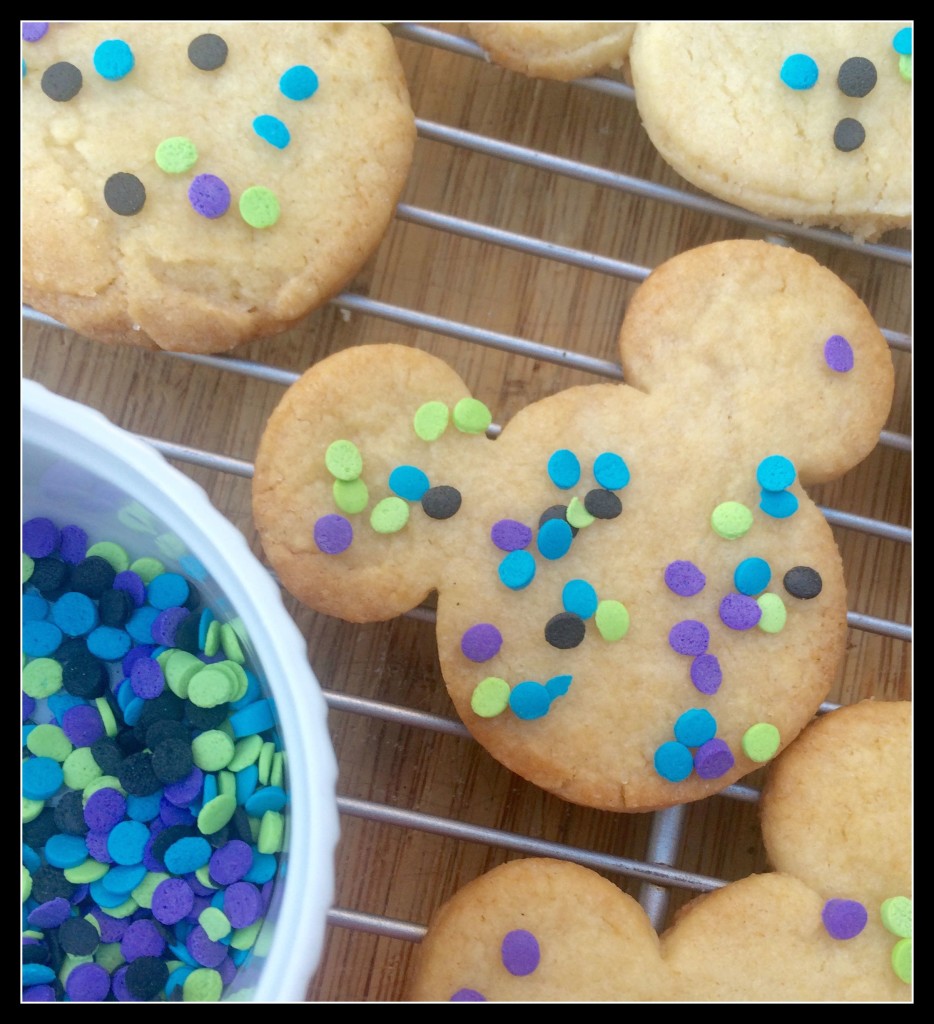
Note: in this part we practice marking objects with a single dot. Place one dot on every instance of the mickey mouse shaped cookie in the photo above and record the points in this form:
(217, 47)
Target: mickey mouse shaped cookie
(805, 121)
(638, 604)
(833, 922)
(193, 186)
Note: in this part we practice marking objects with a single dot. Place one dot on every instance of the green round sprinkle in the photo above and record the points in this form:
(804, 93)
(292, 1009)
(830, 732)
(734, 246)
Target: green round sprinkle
(271, 831)
(125, 909)
(901, 960)
(351, 496)
(760, 742)
(108, 954)
(774, 613)
(86, 872)
(32, 808)
(147, 886)
(277, 770)
(343, 460)
(896, 916)
(180, 668)
(612, 620)
(490, 697)
(389, 515)
(259, 207)
(107, 716)
(171, 546)
(226, 781)
(431, 420)
(147, 569)
(176, 155)
(215, 923)
(230, 644)
(212, 641)
(203, 874)
(100, 781)
(215, 814)
(577, 515)
(239, 676)
(42, 677)
(471, 416)
(112, 553)
(203, 985)
(265, 762)
(137, 518)
(246, 751)
(49, 740)
(69, 962)
(904, 66)
(80, 769)
(731, 520)
(245, 938)
(27, 883)
(212, 750)
(28, 566)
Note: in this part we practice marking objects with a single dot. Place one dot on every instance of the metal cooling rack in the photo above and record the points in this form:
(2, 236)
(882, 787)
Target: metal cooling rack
(658, 872)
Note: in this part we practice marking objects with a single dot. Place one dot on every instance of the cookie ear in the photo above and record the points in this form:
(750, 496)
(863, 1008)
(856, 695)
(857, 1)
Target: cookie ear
(360, 459)
(785, 348)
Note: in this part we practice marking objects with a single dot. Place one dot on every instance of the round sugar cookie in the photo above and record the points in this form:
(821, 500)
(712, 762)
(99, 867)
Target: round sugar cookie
(613, 558)
(561, 50)
(193, 186)
(832, 924)
(803, 121)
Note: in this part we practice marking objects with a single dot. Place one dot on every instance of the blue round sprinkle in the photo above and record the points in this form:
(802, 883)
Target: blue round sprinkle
(517, 570)
(610, 471)
(143, 808)
(529, 700)
(752, 576)
(695, 727)
(109, 643)
(778, 504)
(673, 761)
(272, 130)
(113, 59)
(208, 789)
(126, 842)
(34, 607)
(245, 782)
(167, 590)
(254, 718)
(558, 686)
(187, 855)
(40, 638)
(75, 614)
(66, 851)
(139, 625)
(902, 41)
(775, 473)
(564, 468)
(269, 798)
(41, 778)
(408, 482)
(262, 869)
(103, 897)
(31, 860)
(799, 71)
(37, 974)
(554, 538)
(122, 879)
(579, 597)
(298, 83)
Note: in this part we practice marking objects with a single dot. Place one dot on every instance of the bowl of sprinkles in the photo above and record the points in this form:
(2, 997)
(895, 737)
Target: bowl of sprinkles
(178, 781)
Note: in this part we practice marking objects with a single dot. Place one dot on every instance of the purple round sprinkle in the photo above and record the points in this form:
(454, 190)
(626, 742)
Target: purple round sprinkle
(844, 919)
(467, 995)
(333, 534)
(481, 642)
(74, 544)
(39, 994)
(87, 983)
(738, 611)
(227, 969)
(121, 992)
(166, 623)
(182, 793)
(713, 759)
(510, 535)
(33, 31)
(105, 809)
(112, 928)
(203, 949)
(209, 196)
(146, 677)
(243, 904)
(41, 537)
(684, 578)
(172, 900)
(51, 913)
(133, 584)
(231, 862)
(689, 637)
(520, 952)
(838, 353)
(96, 842)
(29, 705)
(706, 674)
(142, 938)
(83, 725)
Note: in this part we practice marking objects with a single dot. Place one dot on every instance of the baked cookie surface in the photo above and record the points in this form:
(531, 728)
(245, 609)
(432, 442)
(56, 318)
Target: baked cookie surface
(548, 930)
(809, 122)
(561, 50)
(638, 604)
(194, 186)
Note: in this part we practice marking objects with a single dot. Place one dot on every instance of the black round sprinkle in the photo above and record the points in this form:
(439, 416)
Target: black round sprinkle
(145, 976)
(565, 630)
(83, 675)
(48, 575)
(93, 576)
(115, 607)
(49, 882)
(240, 827)
(207, 52)
(205, 718)
(556, 512)
(107, 755)
(78, 936)
(69, 813)
(602, 504)
(849, 135)
(167, 705)
(186, 636)
(803, 581)
(441, 502)
(36, 953)
(219, 838)
(171, 760)
(856, 77)
(164, 729)
(124, 193)
(61, 81)
(136, 774)
(39, 831)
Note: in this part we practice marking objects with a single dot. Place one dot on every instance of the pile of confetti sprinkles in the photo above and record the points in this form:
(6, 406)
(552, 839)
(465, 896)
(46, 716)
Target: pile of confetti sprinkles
(153, 780)
(209, 195)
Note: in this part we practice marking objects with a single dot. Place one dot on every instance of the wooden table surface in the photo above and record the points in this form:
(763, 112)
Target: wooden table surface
(392, 874)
